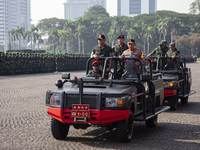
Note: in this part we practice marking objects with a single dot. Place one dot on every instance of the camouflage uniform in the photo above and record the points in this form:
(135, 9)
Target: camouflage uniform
(119, 49)
(160, 52)
(105, 51)
(174, 52)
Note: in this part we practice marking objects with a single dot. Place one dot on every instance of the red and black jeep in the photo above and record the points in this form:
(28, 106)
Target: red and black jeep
(177, 80)
(106, 102)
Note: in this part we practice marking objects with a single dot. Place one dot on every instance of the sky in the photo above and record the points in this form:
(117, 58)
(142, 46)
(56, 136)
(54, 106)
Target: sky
(41, 9)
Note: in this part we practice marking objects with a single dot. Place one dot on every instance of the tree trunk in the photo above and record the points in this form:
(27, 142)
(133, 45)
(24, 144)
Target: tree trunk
(31, 42)
(113, 43)
(171, 37)
(144, 47)
(148, 46)
(79, 45)
(159, 37)
(83, 42)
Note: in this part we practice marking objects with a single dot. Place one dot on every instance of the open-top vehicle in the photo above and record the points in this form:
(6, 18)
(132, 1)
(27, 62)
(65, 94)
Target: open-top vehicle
(177, 80)
(112, 103)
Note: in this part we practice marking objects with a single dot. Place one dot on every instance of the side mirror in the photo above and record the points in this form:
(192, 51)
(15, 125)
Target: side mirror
(145, 77)
(65, 75)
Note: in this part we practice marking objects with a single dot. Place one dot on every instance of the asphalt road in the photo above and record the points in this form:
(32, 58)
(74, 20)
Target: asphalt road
(24, 123)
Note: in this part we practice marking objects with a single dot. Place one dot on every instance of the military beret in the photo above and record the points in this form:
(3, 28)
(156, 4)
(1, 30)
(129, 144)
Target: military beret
(96, 63)
(101, 37)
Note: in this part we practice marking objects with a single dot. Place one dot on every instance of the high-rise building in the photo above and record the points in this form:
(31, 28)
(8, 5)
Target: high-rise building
(131, 7)
(13, 13)
(74, 9)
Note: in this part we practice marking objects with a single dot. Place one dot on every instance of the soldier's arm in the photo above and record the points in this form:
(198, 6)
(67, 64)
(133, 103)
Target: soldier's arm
(177, 55)
(152, 53)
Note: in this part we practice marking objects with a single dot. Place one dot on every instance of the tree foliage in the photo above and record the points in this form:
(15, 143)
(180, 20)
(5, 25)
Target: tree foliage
(148, 30)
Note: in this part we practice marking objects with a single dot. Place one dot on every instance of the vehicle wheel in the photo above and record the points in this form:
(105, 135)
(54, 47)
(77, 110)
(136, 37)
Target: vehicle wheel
(152, 122)
(185, 99)
(58, 129)
(125, 129)
(173, 102)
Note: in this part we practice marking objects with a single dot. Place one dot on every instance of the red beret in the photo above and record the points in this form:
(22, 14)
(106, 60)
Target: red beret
(96, 63)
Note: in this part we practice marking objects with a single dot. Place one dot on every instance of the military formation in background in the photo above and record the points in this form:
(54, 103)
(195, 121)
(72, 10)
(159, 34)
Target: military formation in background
(12, 63)
(25, 63)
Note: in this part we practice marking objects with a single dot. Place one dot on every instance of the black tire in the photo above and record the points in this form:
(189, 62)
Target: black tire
(173, 102)
(152, 122)
(125, 129)
(58, 129)
(185, 99)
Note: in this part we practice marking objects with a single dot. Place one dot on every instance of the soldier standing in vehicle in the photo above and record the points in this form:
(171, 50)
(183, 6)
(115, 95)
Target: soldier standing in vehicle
(102, 50)
(131, 67)
(165, 47)
(121, 46)
(175, 55)
(173, 52)
(119, 49)
(159, 51)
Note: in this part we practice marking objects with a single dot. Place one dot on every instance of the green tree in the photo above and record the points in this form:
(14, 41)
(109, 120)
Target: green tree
(53, 39)
(195, 7)
(13, 38)
(32, 35)
(63, 38)
(20, 34)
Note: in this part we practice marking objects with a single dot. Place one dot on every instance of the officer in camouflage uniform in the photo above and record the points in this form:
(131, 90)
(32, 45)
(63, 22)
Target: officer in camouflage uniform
(175, 55)
(165, 47)
(159, 51)
(173, 52)
(131, 67)
(102, 50)
(121, 46)
(119, 49)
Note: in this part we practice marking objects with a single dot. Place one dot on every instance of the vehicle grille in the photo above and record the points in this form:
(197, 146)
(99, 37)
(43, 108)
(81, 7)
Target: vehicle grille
(71, 99)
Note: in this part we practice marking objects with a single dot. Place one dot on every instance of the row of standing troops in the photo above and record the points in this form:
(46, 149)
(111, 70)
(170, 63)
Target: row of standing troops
(24, 63)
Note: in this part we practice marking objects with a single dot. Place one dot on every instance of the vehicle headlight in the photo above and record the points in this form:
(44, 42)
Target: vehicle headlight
(170, 84)
(55, 100)
(115, 102)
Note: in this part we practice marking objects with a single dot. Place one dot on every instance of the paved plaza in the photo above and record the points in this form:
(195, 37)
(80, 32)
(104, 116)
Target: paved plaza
(24, 123)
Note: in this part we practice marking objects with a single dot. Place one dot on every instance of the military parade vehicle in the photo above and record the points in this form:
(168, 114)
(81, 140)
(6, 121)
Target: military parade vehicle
(177, 80)
(106, 101)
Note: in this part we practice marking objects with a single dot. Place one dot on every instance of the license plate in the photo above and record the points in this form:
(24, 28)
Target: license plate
(81, 111)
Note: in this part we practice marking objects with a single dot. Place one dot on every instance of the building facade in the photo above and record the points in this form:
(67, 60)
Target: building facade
(131, 8)
(74, 9)
(13, 13)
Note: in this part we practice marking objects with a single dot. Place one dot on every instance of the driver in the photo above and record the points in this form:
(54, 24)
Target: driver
(96, 71)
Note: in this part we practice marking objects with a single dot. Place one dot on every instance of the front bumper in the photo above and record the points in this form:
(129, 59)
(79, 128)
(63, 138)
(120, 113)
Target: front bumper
(97, 117)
